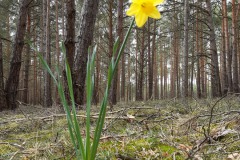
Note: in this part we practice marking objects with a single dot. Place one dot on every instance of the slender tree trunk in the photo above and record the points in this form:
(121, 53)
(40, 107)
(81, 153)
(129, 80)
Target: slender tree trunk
(113, 90)
(224, 76)
(120, 35)
(70, 29)
(227, 47)
(202, 60)
(185, 52)
(13, 78)
(57, 98)
(165, 73)
(175, 63)
(155, 63)
(161, 75)
(35, 75)
(198, 58)
(136, 68)
(87, 22)
(27, 62)
(128, 96)
(150, 64)
(215, 78)
(8, 51)
(234, 50)
(47, 99)
(69, 41)
(3, 102)
(141, 69)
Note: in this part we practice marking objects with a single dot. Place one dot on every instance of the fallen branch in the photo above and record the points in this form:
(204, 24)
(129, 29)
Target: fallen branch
(62, 115)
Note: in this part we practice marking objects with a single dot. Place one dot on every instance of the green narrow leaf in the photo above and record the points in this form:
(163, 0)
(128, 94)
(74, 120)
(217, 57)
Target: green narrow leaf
(115, 46)
(101, 118)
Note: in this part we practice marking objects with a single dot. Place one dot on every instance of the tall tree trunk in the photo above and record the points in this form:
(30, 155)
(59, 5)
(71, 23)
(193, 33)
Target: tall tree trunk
(161, 75)
(155, 63)
(175, 63)
(165, 74)
(234, 50)
(185, 52)
(3, 103)
(224, 76)
(70, 29)
(227, 47)
(141, 69)
(150, 64)
(113, 90)
(8, 51)
(97, 79)
(215, 78)
(35, 75)
(136, 66)
(199, 95)
(69, 41)
(47, 99)
(13, 78)
(87, 22)
(202, 60)
(120, 35)
(128, 96)
(27, 62)
(57, 98)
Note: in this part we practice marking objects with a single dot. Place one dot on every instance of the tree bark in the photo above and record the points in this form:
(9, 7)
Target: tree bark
(70, 29)
(3, 102)
(57, 98)
(88, 18)
(150, 64)
(224, 75)
(215, 78)
(185, 52)
(113, 89)
(234, 50)
(27, 61)
(120, 35)
(229, 84)
(136, 67)
(13, 78)
(47, 99)
(155, 63)
(141, 69)
(199, 95)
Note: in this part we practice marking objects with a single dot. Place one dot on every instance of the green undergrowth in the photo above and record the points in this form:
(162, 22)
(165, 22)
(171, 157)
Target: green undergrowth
(151, 130)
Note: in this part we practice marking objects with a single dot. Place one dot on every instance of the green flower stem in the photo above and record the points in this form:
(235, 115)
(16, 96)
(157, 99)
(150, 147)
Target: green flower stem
(101, 118)
(87, 152)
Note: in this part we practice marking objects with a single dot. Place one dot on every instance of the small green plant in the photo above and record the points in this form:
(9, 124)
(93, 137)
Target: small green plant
(86, 149)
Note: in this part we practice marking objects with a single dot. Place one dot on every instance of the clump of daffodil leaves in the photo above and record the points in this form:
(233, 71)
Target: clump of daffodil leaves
(142, 9)
(86, 148)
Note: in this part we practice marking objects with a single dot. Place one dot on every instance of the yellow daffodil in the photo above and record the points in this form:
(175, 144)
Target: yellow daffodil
(142, 9)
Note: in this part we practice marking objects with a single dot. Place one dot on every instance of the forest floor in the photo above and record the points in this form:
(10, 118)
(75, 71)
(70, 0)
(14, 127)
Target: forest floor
(152, 130)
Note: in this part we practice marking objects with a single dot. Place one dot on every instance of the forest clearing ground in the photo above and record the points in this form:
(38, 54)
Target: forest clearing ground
(137, 130)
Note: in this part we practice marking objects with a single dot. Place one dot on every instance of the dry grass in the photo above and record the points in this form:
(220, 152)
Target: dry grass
(140, 130)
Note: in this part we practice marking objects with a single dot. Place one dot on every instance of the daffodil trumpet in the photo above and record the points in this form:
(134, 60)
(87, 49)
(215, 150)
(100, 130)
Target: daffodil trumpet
(142, 9)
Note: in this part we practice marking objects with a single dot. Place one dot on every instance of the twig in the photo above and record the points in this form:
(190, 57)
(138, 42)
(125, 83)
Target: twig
(14, 155)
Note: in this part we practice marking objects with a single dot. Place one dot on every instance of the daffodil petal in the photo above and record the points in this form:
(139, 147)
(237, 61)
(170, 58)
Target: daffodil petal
(141, 19)
(134, 8)
(155, 14)
(137, 1)
(157, 2)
